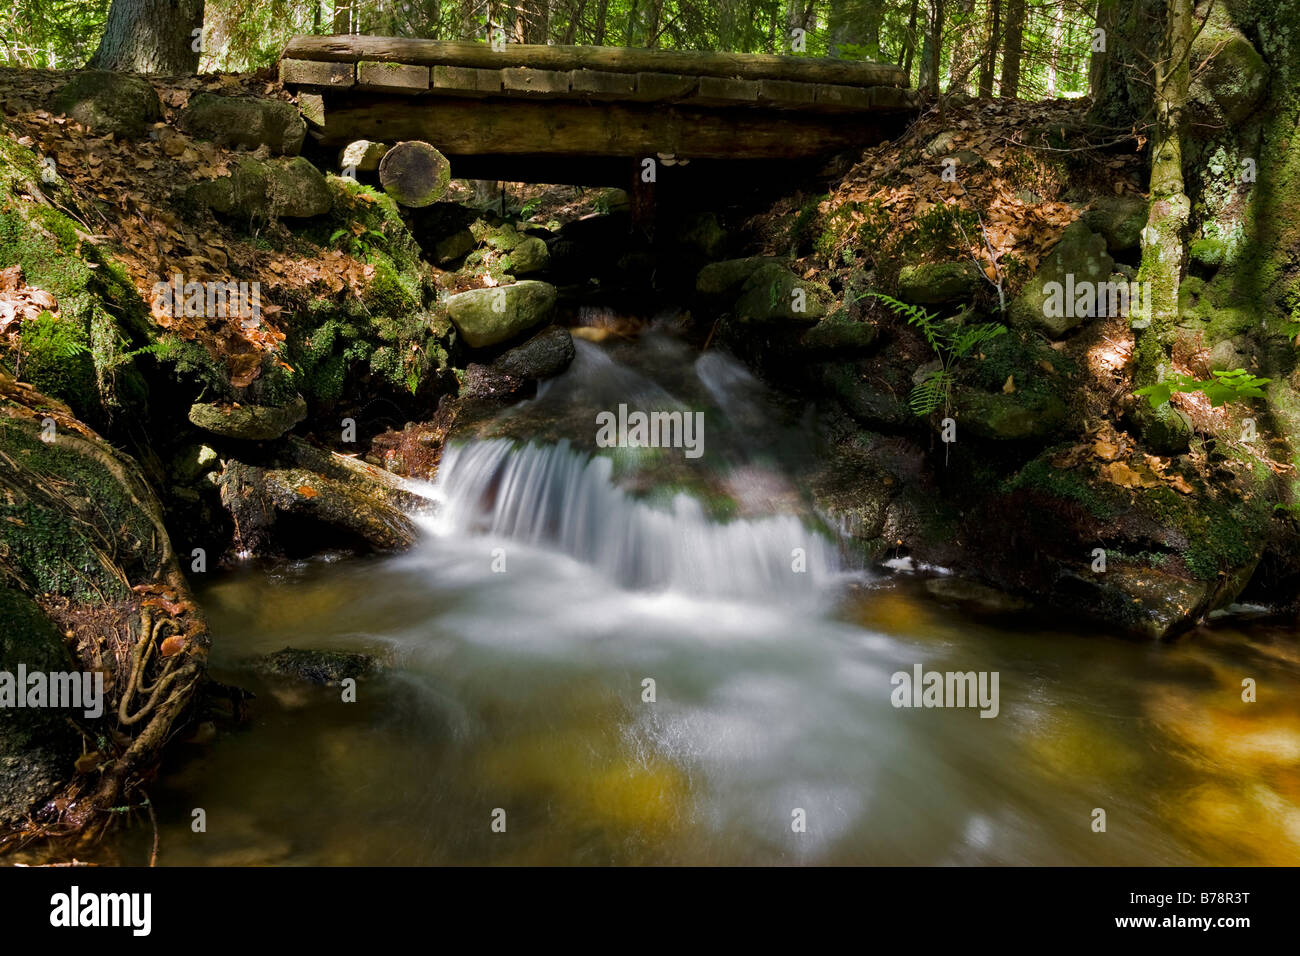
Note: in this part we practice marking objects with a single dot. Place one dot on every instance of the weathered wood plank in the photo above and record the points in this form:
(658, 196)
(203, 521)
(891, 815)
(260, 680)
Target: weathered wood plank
(312, 108)
(388, 77)
(459, 126)
(663, 86)
(723, 91)
(465, 80)
(786, 93)
(746, 66)
(598, 84)
(843, 97)
(316, 73)
(526, 81)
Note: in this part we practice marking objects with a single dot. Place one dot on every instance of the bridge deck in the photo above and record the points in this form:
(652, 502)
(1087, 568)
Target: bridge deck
(468, 99)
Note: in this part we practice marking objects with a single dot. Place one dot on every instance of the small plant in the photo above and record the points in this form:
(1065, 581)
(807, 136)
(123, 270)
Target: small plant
(530, 209)
(357, 240)
(951, 343)
(1220, 388)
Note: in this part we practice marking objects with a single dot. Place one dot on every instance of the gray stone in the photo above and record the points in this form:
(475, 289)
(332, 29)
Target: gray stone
(530, 255)
(277, 188)
(110, 103)
(1120, 219)
(485, 317)
(939, 282)
(1079, 257)
(773, 294)
(245, 121)
(248, 422)
(545, 355)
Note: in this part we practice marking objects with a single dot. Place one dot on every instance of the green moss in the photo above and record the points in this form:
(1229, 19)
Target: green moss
(1039, 475)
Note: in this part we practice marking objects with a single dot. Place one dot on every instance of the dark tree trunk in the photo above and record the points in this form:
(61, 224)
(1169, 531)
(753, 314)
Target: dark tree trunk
(856, 23)
(150, 36)
(1010, 86)
(990, 62)
(909, 42)
(602, 11)
(932, 49)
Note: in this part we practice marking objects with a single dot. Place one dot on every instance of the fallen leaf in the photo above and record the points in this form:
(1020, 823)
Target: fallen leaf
(1009, 387)
(172, 646)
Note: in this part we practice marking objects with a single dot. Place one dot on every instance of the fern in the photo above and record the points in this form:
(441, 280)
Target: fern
(951, 342)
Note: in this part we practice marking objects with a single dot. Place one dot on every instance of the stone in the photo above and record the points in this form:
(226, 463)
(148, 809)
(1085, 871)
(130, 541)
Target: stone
(455, 246)
(773, 294)
(485, 317)
(1079, 257)
(530, 255)
(939, 282)
(1120, 219)
(362, 155)
(245, 121)
(323, 668)
(110, 103)
(730, 275)
(248, 422)
(981, 596)
(545, 355)
(837, 332)
(1019, 416)
(271, 189)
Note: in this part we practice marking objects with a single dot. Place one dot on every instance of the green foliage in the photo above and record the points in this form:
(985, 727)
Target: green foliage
(356, 244)
(1222, 387)
(951, 343)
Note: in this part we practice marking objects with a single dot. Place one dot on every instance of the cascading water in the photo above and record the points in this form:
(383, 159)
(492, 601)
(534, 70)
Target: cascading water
(556, 497)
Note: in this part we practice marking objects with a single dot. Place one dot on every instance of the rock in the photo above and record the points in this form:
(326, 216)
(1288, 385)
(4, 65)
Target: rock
(965, 591)
(1145, 602)
(545, 355)
(773, 294)
(701, 236)
(262, 190)
(1230, 354)
(248, 422)
(730, 275)
(1079, 258)
(362, 155)
(455, 246)
(486, 382)
(323, 668)
(499, 238)
(245, 121)
(486, 317)
(193, 461)
(530, 255)
(939, 282)
(1230, 78)
(1019, 416)
(1209, 252)
(110, 103)
(854, 386)
(839, 333)
(37, 746)
(1165, 430)
(1120, 219)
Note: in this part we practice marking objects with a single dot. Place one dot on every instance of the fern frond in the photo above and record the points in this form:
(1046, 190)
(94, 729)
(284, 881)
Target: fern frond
(930, 393)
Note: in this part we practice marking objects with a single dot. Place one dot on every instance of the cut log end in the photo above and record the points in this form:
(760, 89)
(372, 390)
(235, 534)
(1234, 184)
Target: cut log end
(414, 173)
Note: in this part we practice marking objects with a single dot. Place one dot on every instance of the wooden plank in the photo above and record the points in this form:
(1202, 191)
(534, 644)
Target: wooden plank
(746, 66)
(460, 126)
(316, 73)
(312, 108)
(464, 80)
(390, 77)
(786, 93)
(722, 91)
(530, 82)
(663, 86)
(598, 84)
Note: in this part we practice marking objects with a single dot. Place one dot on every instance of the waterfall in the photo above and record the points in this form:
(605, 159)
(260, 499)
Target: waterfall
(556, 497)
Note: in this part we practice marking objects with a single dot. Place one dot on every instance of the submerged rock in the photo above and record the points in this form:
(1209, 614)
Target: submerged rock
(110, 103)
(965, 591)
(324, 668)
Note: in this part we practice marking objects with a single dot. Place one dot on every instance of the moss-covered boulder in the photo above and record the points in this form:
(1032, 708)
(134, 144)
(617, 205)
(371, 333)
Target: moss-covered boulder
(1230, 78)
(728, 277)
(936, 283)
(1018, 416)
(110, 103)
(271, 189)
(838, 333)
(245, 121)
(531, 255)
(773, 294)
(486, 317)
(1120, 219)
(323, 668)
(1049, 302)
(248, 422)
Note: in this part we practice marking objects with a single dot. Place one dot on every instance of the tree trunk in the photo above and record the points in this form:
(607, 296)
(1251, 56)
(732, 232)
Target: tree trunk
(965, 50)
(1099, 44)
(1163, 238)
(990, 60)
(1010, 85)
(150, 36)
(856, 23)
(932, 50)
(909, 42)
(602, 11)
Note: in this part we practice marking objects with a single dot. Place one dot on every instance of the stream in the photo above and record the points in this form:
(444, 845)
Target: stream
(553, 581)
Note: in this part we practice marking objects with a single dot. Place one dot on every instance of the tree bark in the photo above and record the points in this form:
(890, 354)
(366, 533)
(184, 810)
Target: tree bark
(150, 36)
(989, 61)
(932, 49)
(1010, 85)
(856, 23)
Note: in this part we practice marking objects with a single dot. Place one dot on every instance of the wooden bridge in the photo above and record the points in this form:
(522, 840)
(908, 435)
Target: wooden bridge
(583, 114)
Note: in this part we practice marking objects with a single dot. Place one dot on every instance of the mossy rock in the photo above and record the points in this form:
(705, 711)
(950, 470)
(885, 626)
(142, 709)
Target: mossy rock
(248, 422)
(1080, 255)
(323, 668)
(245, 121)
(1120, 219)
(1019, 416)
(1230, 77)
(110, 103)
(701, 236)
(773, 294)
(362, 155)
(261, 190)
(937, 283)
(727, 277)
(486, 317)
(838, 332)
(530, 255)
(453, 247)
(38, 747)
